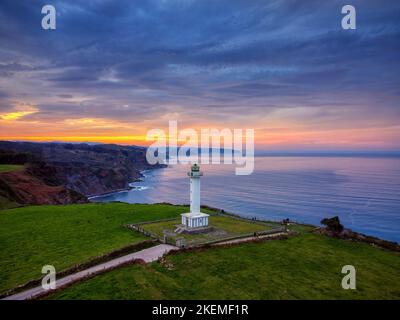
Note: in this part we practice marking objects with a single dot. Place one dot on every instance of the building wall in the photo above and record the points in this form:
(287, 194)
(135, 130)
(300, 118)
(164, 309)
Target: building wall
(195, 222)
(195, 195)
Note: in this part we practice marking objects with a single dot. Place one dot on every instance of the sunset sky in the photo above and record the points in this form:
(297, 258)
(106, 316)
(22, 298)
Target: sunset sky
(112, 70)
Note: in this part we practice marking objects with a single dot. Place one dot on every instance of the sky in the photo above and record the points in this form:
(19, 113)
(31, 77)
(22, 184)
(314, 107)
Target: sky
(112, 70)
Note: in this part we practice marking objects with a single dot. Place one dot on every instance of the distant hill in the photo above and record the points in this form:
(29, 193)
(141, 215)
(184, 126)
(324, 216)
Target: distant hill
(79, 168)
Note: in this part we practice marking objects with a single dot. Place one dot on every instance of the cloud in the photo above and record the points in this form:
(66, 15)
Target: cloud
(18, 111)
(203, 60)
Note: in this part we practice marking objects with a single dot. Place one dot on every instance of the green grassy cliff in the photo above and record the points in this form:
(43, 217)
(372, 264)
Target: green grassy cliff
(34, 236)
(304, 266)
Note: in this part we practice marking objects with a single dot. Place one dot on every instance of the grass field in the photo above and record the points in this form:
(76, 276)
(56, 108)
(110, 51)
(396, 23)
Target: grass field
(62, 236)
(223, 227)
(9, 167)
(303, 267)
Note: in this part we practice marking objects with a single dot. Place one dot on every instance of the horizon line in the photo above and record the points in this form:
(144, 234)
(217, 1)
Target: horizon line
(259, 152)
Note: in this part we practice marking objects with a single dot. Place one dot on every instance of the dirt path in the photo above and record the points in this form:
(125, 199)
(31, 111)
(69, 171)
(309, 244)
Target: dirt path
(148, 255)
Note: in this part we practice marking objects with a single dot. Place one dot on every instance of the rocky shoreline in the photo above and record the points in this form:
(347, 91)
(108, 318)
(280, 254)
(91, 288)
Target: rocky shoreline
(335, 229)
(142, 176)
(76, 169)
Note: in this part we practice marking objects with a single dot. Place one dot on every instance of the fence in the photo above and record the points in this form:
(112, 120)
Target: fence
(155, 221)
(249, 219)
(182, 242)
(242, 236)
(147, 233)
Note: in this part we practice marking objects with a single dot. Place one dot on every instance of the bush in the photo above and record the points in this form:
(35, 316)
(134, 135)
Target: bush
(332, 224)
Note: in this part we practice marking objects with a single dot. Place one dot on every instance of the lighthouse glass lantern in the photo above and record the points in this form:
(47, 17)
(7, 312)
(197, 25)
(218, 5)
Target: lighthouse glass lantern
(194, 219)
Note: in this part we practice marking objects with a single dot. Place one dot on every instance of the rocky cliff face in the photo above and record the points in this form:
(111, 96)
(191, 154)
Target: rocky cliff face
(83, 168)
(20, 187)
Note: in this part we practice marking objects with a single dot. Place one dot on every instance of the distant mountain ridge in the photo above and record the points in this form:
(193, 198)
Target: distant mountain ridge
(84, 169)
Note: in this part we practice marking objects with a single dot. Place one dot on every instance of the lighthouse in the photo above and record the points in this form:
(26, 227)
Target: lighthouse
(194, 219)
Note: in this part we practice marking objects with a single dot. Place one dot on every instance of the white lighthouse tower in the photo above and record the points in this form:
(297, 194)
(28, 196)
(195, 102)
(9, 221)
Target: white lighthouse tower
(194, 219)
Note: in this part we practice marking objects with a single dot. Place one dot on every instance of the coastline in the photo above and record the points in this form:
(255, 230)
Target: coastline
(107, 193)
(116, 191)
(244, 209)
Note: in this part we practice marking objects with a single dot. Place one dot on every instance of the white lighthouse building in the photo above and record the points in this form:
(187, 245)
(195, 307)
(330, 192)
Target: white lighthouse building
(194, 219)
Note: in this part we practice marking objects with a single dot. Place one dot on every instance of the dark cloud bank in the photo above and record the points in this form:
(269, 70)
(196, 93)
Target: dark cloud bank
(220, 57)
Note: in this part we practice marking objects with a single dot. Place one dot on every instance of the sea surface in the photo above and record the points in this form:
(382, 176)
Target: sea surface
(363, 191)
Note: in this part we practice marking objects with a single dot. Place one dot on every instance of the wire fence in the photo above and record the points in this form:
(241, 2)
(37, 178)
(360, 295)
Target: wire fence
(182, 242)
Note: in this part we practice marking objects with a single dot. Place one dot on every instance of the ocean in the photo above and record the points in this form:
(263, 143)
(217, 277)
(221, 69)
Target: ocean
(363, 191)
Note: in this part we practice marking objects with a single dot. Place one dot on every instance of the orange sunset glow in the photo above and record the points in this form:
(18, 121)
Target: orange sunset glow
(15, 126)
(326, 90)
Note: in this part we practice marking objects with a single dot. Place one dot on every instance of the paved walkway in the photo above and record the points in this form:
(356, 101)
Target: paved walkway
(148, 255)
